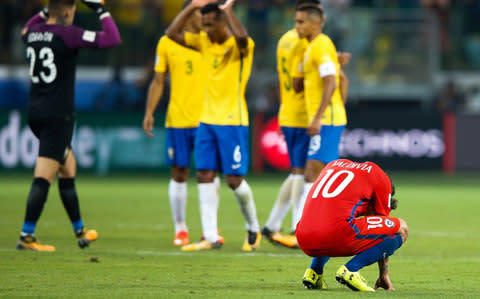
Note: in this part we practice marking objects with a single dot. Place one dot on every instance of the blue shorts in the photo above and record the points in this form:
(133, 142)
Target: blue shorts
(222, 148)
(297, 143)
(324, 147)
(179, 146)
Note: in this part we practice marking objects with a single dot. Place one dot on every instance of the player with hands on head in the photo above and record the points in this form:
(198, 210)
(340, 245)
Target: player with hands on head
(347, 213)
(221, 143)
(186, 69)
(52, 45)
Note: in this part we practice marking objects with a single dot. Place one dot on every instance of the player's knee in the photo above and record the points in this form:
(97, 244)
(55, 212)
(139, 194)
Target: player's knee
(403, 231)
(234, 181)
(205, 176)
(180, 174)
(310, 175)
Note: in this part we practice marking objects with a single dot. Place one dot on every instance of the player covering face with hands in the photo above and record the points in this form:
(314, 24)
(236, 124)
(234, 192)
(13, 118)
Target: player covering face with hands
(52, 45)
(347, 213)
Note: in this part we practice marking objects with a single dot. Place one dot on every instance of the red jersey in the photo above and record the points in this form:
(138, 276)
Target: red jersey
(343, 191)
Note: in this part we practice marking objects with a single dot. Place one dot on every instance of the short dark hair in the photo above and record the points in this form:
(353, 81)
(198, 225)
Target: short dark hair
(302, 2)
(311, 9)
(55, 6)
(212, 7)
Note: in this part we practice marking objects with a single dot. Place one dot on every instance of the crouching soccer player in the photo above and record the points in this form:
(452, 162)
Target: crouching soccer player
(332, 226)
(52, 45)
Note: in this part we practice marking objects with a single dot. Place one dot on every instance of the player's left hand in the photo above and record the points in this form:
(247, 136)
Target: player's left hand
(314, 128)
(97, 6)
(343, 58)
(384, 283)
(227, 5)
(148, 121)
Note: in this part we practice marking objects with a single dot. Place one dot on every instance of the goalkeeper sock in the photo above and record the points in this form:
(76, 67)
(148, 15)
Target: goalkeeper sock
(318, 263)
(244, 196)
(177, 193)
(69, 197)
(298, 182)
(35, 203)
(281, 206)
(209, 200)
(374, 254)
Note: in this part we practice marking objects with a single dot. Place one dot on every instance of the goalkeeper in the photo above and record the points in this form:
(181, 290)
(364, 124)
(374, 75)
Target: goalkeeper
(52, 44)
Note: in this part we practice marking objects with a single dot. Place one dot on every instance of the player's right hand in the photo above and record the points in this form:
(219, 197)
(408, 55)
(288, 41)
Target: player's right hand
(148, 121)
(384, 282)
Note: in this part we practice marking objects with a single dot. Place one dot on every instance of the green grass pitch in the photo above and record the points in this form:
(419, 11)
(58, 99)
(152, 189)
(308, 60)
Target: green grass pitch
(134, 256)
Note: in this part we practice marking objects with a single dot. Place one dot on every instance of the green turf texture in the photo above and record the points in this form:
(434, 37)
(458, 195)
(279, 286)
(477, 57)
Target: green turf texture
(134, 256)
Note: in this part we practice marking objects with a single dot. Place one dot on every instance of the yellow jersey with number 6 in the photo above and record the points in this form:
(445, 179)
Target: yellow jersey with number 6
(187, 84)
(290, 52)
(321, 54)
(227, 73)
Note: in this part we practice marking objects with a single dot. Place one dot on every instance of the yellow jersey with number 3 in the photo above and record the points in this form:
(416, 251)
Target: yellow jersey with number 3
(290, 52)
(187, 86)
(227, 73)
(321, 56)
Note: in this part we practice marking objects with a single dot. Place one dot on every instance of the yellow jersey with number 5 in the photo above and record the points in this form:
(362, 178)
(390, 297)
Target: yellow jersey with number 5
(290, 52)
(320, 60)
(227, 73)
(187, 84)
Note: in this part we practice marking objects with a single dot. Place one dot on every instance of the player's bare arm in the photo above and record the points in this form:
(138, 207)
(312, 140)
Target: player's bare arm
(238, 30)
(176, 30)
(383, 280)
(344, 83)
(155, 92)
(329, 86)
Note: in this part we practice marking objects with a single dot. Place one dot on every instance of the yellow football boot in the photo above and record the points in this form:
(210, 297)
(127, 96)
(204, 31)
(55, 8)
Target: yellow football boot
(202, 245)
(312, 280)
(85, 237)
(353, 280)
(252, 241)
(30, 243)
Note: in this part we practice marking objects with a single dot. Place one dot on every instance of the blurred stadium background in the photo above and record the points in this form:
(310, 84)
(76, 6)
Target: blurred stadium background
(414, 100)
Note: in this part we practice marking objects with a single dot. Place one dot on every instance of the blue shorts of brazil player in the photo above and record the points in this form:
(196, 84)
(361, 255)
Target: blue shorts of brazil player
(179, 147)
(297, 143)
(222, 148)
(324, 147)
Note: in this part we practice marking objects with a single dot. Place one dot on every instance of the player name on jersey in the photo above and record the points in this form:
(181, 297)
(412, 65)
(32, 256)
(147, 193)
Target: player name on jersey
(360, 166)
(40, 37)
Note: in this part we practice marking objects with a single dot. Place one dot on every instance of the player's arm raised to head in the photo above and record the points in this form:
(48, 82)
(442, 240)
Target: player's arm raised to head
(176, 29)
(109, 36)
(238, 30)
(39, 18)
(155, 92)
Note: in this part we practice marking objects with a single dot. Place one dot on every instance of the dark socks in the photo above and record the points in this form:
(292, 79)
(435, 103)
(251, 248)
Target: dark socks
(35, 203)
(69, 198)
(318, 263)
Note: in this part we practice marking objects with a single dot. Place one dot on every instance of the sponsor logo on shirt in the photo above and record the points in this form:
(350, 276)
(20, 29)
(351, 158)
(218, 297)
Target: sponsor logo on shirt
(89, 36)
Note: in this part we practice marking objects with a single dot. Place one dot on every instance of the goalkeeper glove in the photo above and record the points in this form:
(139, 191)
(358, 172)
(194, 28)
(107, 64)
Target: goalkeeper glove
(44, 13)
(98, 6)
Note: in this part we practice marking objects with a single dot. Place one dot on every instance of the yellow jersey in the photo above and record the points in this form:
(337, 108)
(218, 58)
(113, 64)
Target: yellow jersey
(187, 87)
(322, 52)
(290, 52)
(227, 73)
